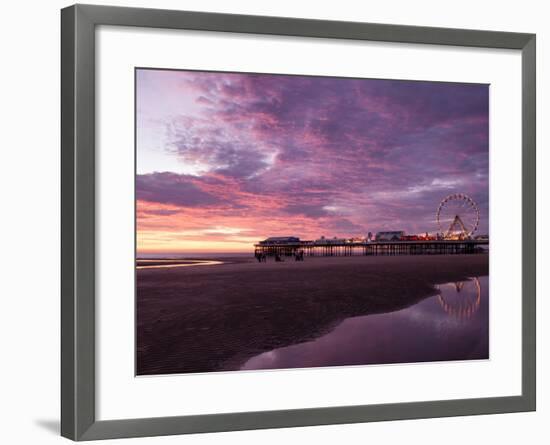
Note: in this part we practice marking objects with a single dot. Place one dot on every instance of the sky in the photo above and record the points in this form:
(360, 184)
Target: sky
(228, 159)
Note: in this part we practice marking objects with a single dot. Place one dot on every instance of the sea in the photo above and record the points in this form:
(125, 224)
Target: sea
(195, 255)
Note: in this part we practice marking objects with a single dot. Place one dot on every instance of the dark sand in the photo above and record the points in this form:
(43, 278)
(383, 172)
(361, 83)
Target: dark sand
(214, 318)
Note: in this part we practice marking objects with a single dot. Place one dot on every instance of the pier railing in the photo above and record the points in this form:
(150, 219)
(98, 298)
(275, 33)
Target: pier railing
(435, 247)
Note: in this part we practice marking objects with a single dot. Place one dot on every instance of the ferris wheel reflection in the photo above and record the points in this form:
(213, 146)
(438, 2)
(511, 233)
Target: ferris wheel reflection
(460, 299)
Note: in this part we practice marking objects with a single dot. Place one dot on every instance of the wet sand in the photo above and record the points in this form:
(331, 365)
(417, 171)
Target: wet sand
(216, 317)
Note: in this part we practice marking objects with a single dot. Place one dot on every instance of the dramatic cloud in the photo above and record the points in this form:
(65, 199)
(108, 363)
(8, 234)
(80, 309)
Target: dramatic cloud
(170, 188)
(309, 156)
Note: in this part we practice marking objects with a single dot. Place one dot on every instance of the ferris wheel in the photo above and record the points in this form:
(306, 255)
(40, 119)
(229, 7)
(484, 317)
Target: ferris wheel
(457, 216)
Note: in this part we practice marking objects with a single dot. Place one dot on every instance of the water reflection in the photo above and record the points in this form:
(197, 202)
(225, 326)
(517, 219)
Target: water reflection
(452, 325)
(461, 299)
(170, 263)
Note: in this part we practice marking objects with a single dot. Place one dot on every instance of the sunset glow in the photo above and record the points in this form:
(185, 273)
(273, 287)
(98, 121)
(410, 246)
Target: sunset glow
(226, 159)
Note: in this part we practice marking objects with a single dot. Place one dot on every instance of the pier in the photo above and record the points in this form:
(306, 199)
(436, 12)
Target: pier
(315, 248)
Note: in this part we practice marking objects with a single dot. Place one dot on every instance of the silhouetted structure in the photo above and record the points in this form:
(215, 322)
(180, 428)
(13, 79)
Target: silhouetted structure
(346, 248)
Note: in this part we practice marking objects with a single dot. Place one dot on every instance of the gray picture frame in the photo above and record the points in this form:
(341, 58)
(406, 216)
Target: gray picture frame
(78, 419)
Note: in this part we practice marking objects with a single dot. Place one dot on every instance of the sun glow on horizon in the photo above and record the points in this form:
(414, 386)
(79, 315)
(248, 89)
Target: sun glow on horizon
(171, 245)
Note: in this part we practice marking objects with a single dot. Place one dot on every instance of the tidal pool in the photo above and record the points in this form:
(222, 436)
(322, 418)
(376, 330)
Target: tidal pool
(452, 325)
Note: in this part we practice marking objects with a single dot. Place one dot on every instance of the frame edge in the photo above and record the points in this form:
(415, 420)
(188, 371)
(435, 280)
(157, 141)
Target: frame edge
(68, 402)
(529, 245)
(77, 224)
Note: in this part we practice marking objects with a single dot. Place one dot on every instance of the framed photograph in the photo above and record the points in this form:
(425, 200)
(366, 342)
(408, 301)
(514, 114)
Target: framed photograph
(272, 222)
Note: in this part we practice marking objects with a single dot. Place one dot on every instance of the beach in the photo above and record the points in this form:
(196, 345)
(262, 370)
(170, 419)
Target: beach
(217, 317)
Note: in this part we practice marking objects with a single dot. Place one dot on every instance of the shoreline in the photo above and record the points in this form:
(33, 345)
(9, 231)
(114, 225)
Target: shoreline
(169, 264)
(145, 263)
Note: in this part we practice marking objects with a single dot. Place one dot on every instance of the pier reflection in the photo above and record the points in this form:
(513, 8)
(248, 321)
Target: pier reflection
(461, 299)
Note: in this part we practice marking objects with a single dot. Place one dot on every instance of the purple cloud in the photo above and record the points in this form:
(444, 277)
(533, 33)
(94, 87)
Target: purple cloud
(351, 153)
(170, 188)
